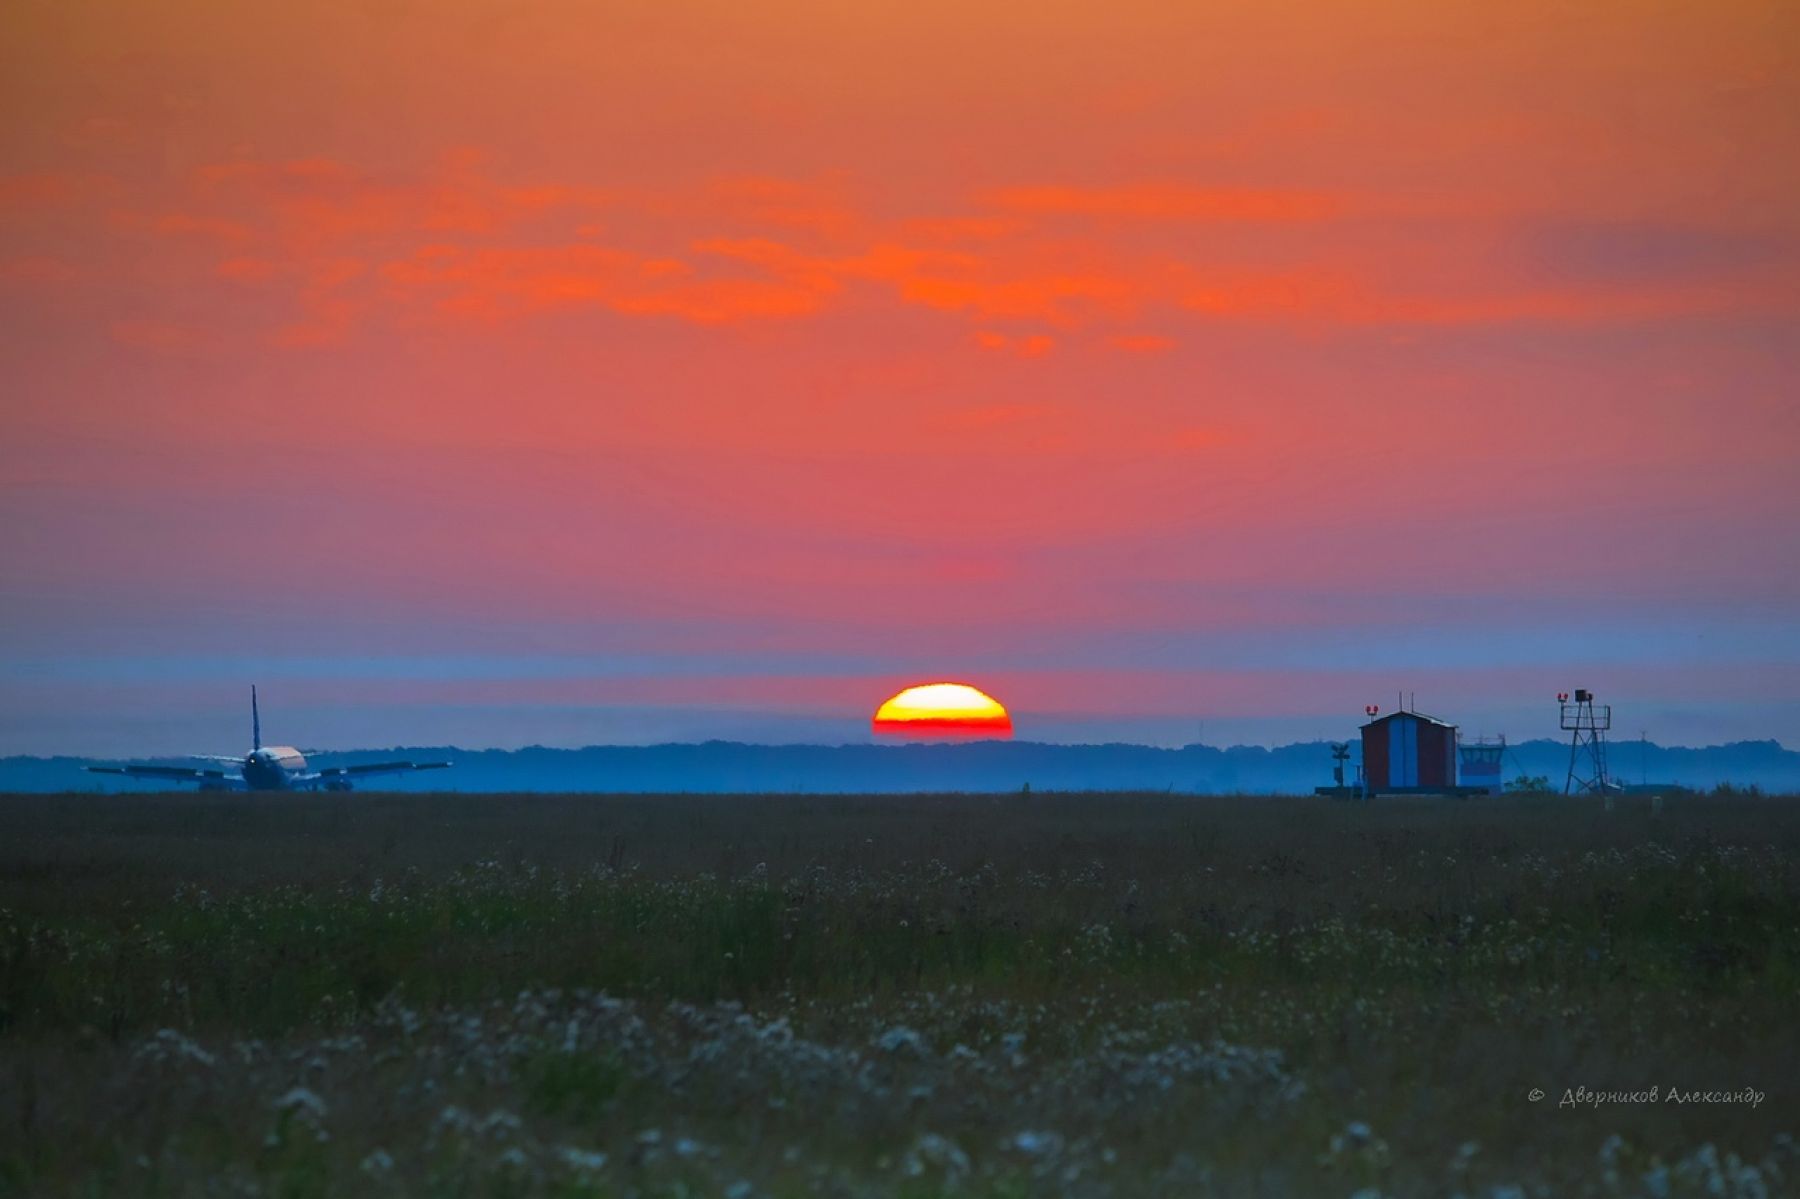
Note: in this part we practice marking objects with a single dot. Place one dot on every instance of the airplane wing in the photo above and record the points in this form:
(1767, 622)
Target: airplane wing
(351, 772)
(177, 774)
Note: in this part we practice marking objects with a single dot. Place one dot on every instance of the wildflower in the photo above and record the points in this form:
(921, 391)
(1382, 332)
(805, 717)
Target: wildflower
(585, 1161)
(499, 1124)
(169, 1045)
(1037, 1144)
(302, 1101)
(1357, 1142)
(932, 1151)
(902, 1039)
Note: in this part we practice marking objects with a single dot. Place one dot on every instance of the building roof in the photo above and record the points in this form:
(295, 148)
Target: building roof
(1444, 724)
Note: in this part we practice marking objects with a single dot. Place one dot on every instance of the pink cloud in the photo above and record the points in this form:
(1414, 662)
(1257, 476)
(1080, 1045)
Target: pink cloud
(1029, 345)
(1141, 343)
(158, 336)
(41, 270)
(1169, 202)
(453, 242)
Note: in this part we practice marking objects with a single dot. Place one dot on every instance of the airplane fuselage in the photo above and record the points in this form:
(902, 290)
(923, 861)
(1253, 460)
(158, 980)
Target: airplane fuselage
(274, 768)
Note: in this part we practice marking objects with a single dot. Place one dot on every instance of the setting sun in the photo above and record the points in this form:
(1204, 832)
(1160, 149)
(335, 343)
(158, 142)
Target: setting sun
(943, 708)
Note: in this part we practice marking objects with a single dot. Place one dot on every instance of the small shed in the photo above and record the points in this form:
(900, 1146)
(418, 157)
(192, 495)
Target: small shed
(1408, 751)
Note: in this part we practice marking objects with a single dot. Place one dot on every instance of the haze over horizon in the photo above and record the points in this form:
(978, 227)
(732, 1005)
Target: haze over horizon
(324, 722)
(498, 374)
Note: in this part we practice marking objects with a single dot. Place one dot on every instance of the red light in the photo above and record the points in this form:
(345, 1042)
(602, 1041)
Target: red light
(1562, 697)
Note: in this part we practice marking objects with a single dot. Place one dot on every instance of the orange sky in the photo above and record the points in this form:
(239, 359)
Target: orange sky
(895, 340)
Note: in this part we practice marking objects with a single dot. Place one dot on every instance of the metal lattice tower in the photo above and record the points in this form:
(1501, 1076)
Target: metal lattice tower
(1587, 723)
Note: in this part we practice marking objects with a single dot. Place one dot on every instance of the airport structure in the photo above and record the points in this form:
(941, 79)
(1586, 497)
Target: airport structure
(1408, 752)
(1587, 723)
(1479, 765)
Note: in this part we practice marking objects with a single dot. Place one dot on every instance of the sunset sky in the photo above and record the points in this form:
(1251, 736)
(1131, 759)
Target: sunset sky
(580, 372)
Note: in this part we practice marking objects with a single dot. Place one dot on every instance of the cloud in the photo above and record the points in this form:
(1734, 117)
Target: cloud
(1168, 202)
(1030, 345)
(961, 229)
(990, 416)
(307, 201)
(157, 336)
(1358, 299)
(182, 224)
(1630, 252)
(1058, 298)
(41, 191)
(1195, 438)
(453, 242)
(1141, 343)
(786, 204)
(42, 270)
(275, 174)
(248, 270)
(499, 283)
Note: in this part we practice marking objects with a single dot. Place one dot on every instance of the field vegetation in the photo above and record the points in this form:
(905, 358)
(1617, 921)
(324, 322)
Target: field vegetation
(1105, 995)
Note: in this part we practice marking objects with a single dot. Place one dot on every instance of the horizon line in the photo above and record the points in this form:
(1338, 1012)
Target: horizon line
(961, 744)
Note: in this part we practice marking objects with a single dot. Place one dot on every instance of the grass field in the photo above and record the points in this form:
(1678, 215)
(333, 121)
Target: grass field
(1108, 995)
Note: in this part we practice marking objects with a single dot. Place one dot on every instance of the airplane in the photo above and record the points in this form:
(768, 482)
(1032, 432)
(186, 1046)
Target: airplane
(271, 768)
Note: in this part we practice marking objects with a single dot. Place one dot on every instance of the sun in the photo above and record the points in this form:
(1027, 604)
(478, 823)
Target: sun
(943, 709)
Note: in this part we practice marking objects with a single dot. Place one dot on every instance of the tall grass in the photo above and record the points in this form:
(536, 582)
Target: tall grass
(1156, 992)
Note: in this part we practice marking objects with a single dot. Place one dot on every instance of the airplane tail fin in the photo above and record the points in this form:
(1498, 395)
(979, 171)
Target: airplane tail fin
(255, 721)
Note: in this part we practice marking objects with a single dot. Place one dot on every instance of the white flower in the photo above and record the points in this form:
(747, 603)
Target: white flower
(938, 1152)
(501, 1123)
(301, 1100)
(586, 1161)
(1037, 1144)
(901, 1038)
(168, 1045)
